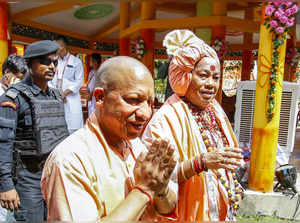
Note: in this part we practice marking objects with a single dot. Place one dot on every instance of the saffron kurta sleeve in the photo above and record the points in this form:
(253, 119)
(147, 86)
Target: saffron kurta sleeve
(69, 188)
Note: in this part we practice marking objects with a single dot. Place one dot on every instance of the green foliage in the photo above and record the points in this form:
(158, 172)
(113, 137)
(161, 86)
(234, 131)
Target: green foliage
(160, 89)
(232, 65)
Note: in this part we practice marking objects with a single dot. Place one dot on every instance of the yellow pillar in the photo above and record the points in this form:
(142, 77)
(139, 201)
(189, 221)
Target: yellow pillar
(147, 13)
(265, 132)
(124, 23)
(3, 33)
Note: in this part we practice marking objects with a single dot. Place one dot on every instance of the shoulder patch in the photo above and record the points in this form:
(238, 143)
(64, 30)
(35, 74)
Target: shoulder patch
(9, 104)
(11, 93)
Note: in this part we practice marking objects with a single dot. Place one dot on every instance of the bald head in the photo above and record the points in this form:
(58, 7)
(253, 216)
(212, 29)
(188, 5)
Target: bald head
(124, 94)
(121, 71)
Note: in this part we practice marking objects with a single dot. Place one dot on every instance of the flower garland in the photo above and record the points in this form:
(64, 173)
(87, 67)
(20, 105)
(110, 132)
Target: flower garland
(221, 47)
(140, 48)
(279, 18)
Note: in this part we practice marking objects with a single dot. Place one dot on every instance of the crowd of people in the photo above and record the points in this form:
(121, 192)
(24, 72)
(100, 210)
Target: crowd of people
(126, 163)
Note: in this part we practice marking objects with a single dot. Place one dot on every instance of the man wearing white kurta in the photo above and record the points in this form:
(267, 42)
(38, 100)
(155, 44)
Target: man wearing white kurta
(69, 79)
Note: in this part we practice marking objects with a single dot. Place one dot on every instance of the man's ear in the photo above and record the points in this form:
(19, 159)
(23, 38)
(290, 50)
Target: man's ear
(6, 71)
(7, 76)
(99, 94)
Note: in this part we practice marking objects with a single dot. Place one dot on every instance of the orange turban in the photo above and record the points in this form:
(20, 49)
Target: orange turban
(187, 50)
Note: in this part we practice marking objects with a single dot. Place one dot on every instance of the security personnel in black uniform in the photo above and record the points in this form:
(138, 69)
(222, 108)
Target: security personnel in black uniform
(32, 123)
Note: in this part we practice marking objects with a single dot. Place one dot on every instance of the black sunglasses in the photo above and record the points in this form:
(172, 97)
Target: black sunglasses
(47, 61)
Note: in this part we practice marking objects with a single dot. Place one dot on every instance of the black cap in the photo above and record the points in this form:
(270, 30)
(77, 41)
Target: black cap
(40, 48)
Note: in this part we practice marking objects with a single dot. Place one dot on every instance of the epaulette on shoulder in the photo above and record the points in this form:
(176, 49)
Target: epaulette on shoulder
(12, 93)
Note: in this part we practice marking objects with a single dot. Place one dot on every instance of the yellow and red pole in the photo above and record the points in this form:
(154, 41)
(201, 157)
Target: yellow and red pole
(3, 33)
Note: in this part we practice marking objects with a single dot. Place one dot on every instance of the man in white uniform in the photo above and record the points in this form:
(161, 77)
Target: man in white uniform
(69, 79)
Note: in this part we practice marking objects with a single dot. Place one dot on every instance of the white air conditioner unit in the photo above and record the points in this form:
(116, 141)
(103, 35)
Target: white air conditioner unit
(288, 114)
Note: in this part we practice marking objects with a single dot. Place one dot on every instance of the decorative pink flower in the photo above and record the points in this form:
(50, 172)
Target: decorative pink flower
(274, 23)
(288, 12)
(289, 24)
(278, 3)
(294, 9)
(279, 13)
(283, 19)
(269, 10)
(288, 3)
(279, 30)
(292, 20)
